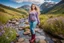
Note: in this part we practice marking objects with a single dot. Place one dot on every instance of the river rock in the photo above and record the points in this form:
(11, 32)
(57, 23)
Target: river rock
(62, 41)
(26, 33)
(36, 30)
(13, 22)
(20, 42)
(27, 25)
(21, 28)
(42, 41)
(20, 39)
(17, 35)
(17, 23)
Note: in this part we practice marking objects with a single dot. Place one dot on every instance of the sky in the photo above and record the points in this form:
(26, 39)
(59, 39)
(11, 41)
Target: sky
(18, 3)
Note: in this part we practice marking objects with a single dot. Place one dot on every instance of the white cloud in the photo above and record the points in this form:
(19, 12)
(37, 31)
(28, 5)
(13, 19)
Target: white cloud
(32, 1)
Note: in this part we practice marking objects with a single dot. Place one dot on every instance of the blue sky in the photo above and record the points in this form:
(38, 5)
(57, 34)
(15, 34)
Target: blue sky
(18, 3)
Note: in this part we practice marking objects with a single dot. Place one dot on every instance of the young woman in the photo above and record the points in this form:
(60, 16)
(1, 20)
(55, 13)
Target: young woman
(33, 20)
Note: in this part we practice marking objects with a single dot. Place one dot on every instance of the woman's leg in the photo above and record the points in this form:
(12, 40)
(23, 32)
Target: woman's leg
(32, 29)
(33, 26)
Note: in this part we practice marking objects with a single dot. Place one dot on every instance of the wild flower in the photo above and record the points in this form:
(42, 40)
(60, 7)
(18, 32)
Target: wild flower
(0, 33)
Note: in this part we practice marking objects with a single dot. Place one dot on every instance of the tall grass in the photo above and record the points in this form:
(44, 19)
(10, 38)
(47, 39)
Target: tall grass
(53, 24)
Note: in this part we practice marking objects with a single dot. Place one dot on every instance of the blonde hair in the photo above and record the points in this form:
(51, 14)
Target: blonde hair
(36, 8)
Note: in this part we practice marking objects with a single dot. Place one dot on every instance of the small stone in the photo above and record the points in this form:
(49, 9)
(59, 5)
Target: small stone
(26, 33)
(20, 39)
(17, 23)
(26, 23)
(12, 42)
(20, 28)
(36, 30)
(62, 41)
(17, 42)
(42, 41)
(17, 35)
(27, 29)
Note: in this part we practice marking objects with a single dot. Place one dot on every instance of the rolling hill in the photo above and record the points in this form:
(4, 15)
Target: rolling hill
(57, 9)
(26, 7)
(7, 13)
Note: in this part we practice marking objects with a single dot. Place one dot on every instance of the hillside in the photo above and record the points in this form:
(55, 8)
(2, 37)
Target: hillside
(57, 9)
(46, 6)
(26, 7)
(7, 13)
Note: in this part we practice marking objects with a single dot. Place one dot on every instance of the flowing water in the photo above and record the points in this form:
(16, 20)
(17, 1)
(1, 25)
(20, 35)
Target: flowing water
(41, 37)
(40, 34)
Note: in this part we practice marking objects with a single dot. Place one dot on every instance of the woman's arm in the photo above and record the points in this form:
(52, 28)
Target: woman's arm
(38, 20)
(29, 18)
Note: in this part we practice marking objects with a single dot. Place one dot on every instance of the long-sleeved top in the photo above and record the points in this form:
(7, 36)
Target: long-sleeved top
(35, 14)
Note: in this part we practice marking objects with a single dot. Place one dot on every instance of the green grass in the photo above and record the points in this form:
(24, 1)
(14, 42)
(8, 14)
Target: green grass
(59, 9)
(53, 23)
(8, 36)
(7, 13)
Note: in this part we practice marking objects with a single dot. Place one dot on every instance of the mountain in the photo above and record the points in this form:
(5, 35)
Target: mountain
(46, 5)
(7, 13)
(57, 9)
(26, 7)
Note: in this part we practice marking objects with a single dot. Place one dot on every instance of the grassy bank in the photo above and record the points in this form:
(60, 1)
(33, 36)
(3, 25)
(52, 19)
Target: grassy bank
(53, 23)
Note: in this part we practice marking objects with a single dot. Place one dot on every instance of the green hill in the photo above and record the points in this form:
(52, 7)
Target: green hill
(57, 9)
(7, 13)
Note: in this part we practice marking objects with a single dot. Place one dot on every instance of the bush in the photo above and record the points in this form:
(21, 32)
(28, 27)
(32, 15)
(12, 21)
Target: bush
(8, 35)
(55, 26)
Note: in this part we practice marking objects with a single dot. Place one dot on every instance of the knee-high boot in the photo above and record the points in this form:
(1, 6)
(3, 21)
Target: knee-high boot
(32, 38)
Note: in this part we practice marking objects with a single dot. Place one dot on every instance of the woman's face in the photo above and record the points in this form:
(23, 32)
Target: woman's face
(33, 7)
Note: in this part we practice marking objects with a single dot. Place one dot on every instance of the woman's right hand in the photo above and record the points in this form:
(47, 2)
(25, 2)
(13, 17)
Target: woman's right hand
(38, 23)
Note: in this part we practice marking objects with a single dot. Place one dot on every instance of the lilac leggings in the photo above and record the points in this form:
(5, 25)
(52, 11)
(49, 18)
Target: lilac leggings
(33, 26)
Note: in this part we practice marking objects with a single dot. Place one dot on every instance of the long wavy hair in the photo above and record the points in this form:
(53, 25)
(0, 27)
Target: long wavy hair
(36, 8)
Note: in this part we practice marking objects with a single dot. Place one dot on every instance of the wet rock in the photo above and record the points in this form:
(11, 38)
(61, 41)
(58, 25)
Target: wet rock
(26, 22)
(20, 42)
(26, 33)
(13, 22)
(36, 30)
(40, 37)
(27, 25)
(17, 42)
(17, 35)
(17, 23)
(62, 41)
(21, 28)
(42, 41)
(12, 42)
(20, 39)
(9, 21)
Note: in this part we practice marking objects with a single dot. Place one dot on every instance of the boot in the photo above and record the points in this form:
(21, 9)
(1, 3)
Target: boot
(32, 38)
